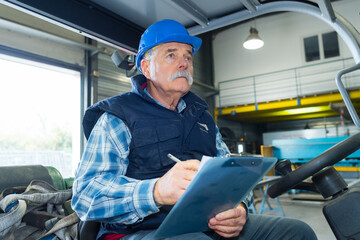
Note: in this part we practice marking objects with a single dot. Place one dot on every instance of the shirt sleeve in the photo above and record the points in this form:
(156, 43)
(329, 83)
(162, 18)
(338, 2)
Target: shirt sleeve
(222, 150)
(101, 191)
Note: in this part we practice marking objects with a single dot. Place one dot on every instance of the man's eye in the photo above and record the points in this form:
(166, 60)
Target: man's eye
(189, 59)
(171, 55)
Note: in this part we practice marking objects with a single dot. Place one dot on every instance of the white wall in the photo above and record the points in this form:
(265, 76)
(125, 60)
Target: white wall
(283, 49)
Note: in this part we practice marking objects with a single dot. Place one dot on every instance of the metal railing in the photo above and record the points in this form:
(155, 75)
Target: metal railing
(288, 84)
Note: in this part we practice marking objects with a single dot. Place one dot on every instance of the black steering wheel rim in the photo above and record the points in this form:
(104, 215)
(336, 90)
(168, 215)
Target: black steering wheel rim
(327, 158)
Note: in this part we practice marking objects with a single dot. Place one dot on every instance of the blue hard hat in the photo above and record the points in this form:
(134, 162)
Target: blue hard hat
(162, 32)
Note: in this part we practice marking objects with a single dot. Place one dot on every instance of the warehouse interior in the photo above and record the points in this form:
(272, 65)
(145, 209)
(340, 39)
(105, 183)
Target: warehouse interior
(282, 100)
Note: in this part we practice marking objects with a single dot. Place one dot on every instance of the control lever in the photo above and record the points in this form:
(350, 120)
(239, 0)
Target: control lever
(283, 167)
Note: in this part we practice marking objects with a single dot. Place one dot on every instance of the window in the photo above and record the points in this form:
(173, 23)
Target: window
(312, 51)
(240, 147)
(40, 120)
(331, 44)
(317, 48)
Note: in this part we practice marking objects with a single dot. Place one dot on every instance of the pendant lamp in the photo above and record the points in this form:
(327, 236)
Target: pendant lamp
(253, 41)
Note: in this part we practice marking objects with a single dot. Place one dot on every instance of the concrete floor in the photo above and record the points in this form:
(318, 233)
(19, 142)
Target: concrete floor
(307, 211)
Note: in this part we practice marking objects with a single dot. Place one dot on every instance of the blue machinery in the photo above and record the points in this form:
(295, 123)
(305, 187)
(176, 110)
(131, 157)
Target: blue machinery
(300, 151)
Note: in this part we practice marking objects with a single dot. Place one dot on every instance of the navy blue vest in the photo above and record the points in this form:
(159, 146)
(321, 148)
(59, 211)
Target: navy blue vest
(156, 131)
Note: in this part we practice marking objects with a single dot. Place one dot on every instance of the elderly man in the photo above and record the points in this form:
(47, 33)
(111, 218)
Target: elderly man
(125, 179)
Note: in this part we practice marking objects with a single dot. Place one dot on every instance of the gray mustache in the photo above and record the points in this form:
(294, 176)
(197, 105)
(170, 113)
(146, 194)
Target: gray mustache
(181, 73)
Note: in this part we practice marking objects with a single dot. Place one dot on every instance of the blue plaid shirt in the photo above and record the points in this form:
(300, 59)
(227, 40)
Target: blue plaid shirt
(101, 191)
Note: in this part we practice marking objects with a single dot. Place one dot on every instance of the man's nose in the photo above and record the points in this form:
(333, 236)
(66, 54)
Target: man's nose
(183, 64)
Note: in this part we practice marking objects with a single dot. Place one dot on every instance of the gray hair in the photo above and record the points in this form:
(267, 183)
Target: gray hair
(150, 55)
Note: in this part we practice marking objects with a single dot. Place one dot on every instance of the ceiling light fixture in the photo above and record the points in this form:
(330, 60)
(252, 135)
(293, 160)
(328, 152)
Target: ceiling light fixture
(253, 41)
(307, 110)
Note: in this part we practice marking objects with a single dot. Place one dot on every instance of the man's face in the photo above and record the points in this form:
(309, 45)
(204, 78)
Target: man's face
(171, 67)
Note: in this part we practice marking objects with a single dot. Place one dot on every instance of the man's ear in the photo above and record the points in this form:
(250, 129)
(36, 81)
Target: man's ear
(145, 67)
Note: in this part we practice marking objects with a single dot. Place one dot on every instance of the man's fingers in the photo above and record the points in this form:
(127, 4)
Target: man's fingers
(186, 169)
(231, 213)
(169, 188)
(229, 223)
(191, 164)
(188, 175)
(228, 234)
(229, 229)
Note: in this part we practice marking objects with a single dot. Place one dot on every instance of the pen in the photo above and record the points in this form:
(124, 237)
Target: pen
(173, 158)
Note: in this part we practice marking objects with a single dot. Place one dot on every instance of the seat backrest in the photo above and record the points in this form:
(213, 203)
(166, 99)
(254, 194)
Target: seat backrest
(88, 230)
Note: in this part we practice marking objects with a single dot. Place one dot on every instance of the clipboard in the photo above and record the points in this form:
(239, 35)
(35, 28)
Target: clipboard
(221, 184)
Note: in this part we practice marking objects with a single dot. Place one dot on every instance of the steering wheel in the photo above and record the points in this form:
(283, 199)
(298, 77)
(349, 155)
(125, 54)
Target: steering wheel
(327, 158)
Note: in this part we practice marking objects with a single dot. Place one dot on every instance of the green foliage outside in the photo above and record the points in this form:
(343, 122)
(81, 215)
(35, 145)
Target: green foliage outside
(56, 139)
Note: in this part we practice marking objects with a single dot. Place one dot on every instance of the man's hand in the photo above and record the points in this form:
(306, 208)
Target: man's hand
(229, 223)
(170, 187)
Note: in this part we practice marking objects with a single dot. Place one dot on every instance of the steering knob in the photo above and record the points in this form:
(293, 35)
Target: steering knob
(283, 167)
(329, 182)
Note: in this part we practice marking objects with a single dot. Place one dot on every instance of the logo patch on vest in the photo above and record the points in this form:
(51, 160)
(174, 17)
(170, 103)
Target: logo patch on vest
(203, 127)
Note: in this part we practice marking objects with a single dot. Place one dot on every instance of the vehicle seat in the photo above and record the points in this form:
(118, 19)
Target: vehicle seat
(88, 230)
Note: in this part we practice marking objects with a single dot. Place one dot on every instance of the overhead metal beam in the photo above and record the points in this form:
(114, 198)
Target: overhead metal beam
(86, 18)
(287, 112)
(20, 28)
(266, 119)
(191, 11)
(250, 4)
(344, 31)
(259, 117)
(300, 117)
(327, 10)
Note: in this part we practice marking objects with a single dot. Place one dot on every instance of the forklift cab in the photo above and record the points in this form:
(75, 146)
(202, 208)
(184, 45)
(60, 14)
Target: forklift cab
(325, 179)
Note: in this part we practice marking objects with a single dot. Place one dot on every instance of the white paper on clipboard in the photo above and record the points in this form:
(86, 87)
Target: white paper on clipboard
(221, 184)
